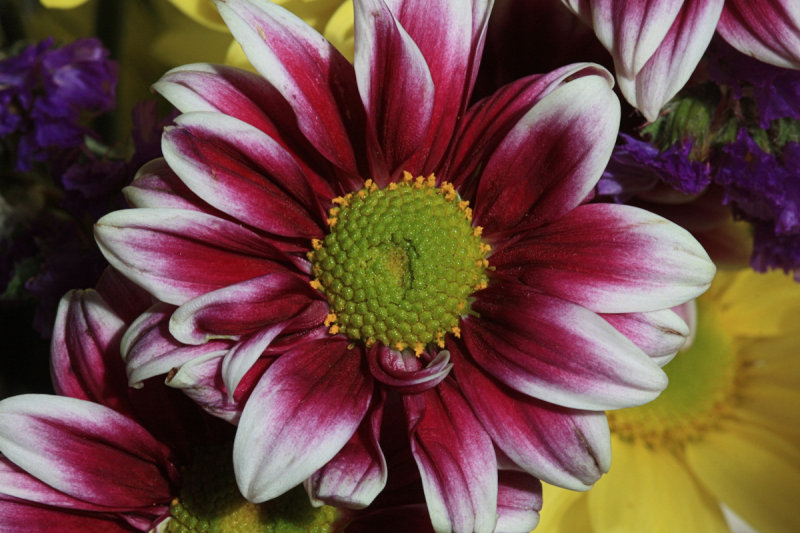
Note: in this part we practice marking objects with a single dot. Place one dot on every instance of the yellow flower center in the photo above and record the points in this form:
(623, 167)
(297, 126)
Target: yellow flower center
(400, 263)
(703, 380)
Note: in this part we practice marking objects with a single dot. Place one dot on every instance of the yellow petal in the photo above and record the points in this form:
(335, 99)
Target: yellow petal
(749, 303)
(753, 471)
(651, 491)
(202, 11)
(62, 4)
(563, 511)
(773, 408)
(339, 29)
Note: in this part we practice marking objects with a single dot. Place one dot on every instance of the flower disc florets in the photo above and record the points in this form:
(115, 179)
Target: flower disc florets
(399, 263)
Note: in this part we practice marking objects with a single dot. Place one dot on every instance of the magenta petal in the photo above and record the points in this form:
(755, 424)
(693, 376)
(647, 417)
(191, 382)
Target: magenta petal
(244, 308)
(551, 159)
(300, 415)
(487, 122)
(675, 60)
(150, 350)
(456, 460)
(18, 484)
(85, 361)
(561, 446)
(404, 372)
(767, 30)
(178, 254)
(620, 259)
(519, 500)
(156, 185)
(557, 351)
(243, 172)
(314, 78)
(241, 358)
(85, 450)
(25, 517)
(200, 379)
(630, 30)
(357, 474)
(660, 334)
(450, 36)
(395, 83)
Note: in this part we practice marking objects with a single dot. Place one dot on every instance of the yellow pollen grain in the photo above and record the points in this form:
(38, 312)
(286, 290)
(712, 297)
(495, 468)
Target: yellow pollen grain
(333, 211)
(400, 346)
(310, 256)
(369, 342)
(480, 286)
(485, 248)
(418, 349)
(330, 319)
(393, 186)
(334, 329)
(315, 284)
(430, 181)
(456, 331)
(477, 231)
(407, 177)
(316, 244)
(340, 200)
(332, 221)
(468, 213)
(362, 193)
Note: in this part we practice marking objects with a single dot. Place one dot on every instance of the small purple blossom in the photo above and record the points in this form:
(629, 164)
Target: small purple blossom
(775, 90)
(765, 190)
(759, 186)
(47, 94)
(637, 167)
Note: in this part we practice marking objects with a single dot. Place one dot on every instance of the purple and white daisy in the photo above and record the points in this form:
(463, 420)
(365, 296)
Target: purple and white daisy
(336, 233)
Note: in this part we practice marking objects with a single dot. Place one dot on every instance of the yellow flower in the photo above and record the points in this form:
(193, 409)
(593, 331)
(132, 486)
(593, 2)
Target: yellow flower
(725, 431)
(332, 18)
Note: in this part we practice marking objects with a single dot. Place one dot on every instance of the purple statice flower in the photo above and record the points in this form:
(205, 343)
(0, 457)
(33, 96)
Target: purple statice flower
(47, 94)
(637, 167)
(760, 186)
(764, 189)
(775, 90)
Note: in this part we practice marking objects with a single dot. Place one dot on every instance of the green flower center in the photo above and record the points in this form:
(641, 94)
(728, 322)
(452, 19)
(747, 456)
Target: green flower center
(400, 263)
(702, 384)
(210, 502)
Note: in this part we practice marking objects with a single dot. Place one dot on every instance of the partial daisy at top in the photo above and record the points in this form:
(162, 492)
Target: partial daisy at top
(331, 241)
(657, 45)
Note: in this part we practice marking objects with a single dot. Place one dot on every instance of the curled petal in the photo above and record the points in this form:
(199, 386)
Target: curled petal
(768, 31)
(244, 308)
(200, 379)
(300, 415)
(22, 516)
(519, 500)
(621, 259)
(455, 458)
(241, 358)
(150, 350)
(85, 450)
(357, 474)
(404, 372)
(84, 354)
(557, 351)
(659, 334)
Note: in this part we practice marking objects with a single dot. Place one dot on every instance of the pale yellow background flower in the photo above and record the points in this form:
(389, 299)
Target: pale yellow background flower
(726, 430)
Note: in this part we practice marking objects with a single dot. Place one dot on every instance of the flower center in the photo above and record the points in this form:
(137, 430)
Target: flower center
(210, 502)
(702, 384)
(400, 263)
